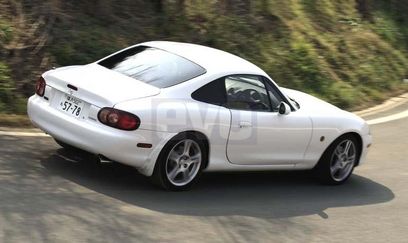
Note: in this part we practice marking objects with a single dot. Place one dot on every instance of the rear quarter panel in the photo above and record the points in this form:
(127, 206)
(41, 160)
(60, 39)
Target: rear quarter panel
(174, 116)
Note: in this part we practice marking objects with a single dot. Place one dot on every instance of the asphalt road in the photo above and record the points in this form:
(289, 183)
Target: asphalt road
(49, 195)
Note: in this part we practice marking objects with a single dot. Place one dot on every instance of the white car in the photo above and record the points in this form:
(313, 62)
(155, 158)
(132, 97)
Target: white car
(173, 110)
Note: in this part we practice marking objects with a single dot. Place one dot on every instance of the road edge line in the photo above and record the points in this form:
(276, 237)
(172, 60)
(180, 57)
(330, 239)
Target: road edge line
(23, 134)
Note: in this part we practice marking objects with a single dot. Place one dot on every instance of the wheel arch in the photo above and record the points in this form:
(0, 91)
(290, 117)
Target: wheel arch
(356, 135)
(359, 144)
(159, 176)
(322, 169)
(200, 136)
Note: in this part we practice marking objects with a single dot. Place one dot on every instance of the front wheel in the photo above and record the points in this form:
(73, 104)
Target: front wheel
(338, 161)
(180, 163)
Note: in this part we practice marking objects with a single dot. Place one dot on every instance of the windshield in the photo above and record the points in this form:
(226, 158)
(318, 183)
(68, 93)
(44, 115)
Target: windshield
(153, 66)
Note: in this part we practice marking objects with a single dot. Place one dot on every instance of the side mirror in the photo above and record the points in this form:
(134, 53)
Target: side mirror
(284, 109)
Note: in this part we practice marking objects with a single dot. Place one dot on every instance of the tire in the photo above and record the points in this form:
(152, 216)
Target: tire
(338, 161)
(180, 163)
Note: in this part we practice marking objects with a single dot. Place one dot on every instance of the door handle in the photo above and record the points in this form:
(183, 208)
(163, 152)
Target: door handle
(243, 124)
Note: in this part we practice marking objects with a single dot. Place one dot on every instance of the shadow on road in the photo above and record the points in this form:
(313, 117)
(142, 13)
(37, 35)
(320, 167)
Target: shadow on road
(262, 195)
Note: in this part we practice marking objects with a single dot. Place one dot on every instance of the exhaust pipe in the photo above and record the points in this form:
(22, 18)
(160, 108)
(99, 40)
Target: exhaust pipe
(103, 159)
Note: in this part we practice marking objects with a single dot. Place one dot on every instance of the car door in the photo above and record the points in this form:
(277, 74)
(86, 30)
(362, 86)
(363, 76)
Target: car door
(259, 135)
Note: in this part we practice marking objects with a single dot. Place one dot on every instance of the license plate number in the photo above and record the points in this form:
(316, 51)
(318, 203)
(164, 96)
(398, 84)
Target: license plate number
(71, 105)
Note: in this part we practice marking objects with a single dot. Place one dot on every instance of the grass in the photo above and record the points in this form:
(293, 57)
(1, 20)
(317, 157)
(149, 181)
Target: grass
(326, 48)
(12, 120)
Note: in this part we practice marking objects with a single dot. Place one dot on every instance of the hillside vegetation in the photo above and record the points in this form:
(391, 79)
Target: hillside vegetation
(350, 52)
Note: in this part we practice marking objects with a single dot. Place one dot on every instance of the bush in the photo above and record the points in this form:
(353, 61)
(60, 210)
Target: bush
(350, 53)
(10, 102)
(82, 46)
(6, 89)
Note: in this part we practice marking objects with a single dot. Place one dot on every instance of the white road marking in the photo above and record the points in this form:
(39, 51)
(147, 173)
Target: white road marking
(388, 118)
(23, 134)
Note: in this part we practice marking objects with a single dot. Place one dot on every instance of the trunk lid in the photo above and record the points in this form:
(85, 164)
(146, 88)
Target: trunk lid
(98, 85)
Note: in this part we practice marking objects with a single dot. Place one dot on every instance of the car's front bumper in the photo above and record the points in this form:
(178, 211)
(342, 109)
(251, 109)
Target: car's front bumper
(367, 141)
(92, 136)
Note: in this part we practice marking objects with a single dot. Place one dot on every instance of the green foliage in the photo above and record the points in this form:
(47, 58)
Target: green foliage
(10, 101)
(83, 46)
(346, 53)
(6, 89)
(305, 68)
(342, 94)
(6, 32)
(391, 21)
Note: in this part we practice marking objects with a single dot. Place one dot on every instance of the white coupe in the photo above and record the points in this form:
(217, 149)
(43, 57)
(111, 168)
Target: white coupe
(174, 110)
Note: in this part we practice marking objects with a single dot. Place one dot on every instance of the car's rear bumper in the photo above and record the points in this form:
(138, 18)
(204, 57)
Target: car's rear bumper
(94, 137)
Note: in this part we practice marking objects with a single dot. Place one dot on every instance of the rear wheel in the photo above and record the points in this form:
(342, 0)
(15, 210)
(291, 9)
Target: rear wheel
(338, 161)
(180, 163)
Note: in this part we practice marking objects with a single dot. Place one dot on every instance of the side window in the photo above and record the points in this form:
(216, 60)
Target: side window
(212, 93)
(275, 97)
(247, 92)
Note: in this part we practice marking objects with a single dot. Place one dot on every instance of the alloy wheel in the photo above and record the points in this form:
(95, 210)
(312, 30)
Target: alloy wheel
(343, 160)
(183, 162)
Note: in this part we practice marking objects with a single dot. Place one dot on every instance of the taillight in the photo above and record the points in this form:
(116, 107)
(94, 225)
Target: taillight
(40, 87)
(118, 119)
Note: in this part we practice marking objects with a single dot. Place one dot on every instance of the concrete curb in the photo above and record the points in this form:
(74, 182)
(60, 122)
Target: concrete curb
(22, 132)
(387, 105)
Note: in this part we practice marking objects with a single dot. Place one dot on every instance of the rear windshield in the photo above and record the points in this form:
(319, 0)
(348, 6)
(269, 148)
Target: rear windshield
(153, 66)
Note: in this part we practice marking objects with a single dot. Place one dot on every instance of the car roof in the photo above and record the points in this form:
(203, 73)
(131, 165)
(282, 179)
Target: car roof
(213, 60)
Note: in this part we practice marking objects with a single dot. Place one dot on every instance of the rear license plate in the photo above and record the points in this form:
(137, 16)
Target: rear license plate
(71, 105)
